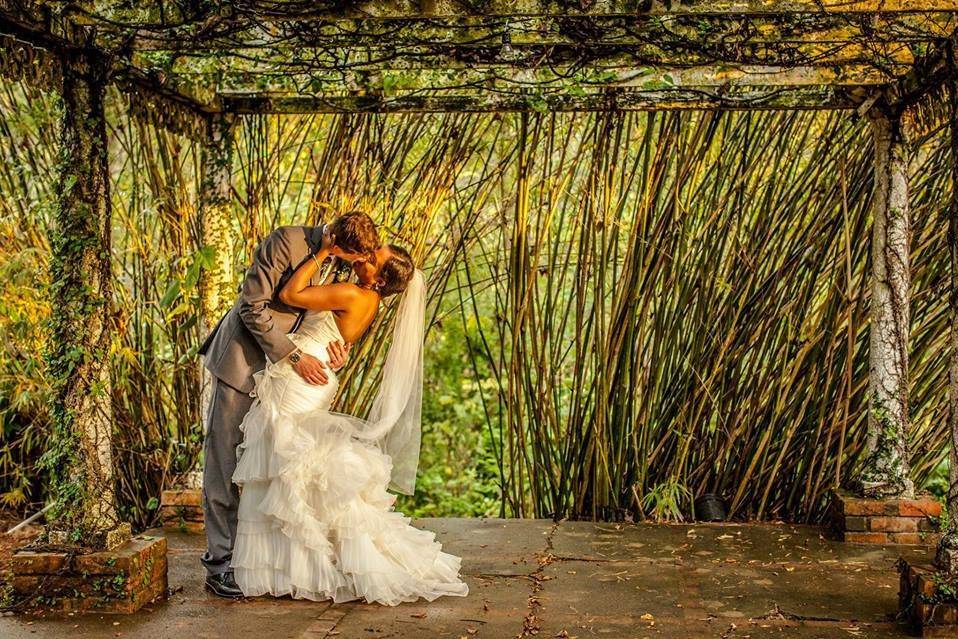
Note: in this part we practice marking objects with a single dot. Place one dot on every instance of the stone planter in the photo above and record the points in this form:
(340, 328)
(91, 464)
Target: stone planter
(884, 521)
(927, 602)
(121, 580)
(182, 510)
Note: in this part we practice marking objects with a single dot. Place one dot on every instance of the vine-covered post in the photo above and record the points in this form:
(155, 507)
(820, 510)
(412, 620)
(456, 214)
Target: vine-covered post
(216, 283)
(947, 555)
(78, 459)
(886, 471)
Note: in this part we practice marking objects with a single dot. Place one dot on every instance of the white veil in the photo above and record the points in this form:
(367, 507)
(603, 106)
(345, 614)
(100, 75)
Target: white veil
(395, 419)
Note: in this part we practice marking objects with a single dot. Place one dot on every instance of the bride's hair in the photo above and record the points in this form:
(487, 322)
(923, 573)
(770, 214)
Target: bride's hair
(396, 271)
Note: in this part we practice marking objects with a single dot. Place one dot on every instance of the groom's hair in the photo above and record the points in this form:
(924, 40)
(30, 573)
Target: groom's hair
(396, 271)
(355, 232)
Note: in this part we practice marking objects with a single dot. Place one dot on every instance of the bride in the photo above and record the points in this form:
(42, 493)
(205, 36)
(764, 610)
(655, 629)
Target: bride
(315, 519)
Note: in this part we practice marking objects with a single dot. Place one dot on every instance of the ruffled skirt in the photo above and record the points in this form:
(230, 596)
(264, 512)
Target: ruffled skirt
(315, 519)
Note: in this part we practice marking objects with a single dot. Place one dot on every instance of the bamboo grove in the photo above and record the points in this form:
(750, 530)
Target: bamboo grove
(658, 305)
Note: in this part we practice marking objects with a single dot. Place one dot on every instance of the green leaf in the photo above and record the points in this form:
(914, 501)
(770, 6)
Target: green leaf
(171, 294)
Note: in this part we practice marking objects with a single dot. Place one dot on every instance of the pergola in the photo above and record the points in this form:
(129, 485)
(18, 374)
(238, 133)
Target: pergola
(195, 68)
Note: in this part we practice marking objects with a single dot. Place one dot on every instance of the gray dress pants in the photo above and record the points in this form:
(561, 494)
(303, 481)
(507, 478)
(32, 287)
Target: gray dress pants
(227, 408)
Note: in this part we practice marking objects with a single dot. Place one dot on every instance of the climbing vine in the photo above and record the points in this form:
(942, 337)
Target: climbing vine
(78, 457)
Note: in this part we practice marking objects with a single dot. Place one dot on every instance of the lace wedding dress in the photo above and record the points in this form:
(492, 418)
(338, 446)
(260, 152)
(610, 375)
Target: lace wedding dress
(315, 519)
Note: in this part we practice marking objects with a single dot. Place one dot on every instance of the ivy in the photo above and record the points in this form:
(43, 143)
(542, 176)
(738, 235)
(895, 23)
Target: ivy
(79, 345)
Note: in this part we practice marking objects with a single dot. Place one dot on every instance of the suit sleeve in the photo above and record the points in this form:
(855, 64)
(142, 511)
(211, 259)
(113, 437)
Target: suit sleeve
(258, 289)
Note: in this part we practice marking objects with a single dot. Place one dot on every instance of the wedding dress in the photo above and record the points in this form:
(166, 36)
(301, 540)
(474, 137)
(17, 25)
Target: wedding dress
(315, 518)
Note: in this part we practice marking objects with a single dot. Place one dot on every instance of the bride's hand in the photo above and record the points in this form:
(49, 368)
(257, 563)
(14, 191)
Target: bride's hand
(329, 242)
(338, 354)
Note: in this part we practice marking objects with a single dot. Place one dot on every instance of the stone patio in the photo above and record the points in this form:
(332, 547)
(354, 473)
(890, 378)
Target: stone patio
(572, 579)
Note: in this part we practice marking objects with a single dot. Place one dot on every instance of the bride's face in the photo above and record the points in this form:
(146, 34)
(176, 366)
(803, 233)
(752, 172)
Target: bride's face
(367, 268)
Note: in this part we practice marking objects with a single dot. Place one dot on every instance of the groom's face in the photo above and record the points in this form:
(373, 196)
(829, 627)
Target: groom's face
(350, 257)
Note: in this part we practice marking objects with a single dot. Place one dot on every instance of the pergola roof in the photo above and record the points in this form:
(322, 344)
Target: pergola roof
(258, 56)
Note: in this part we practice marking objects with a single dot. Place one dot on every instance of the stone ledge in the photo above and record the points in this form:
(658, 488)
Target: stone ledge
(114, 581)
(884, 521)
(182, 510)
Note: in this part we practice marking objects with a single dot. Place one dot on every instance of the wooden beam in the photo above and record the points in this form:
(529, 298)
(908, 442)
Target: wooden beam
(343, 61)
(399, 8)
(823, 97)
(712, 79)
(426, 9)
(246, 32)
(38, 28)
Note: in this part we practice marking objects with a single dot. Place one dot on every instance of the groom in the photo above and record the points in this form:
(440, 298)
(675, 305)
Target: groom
(252, 331)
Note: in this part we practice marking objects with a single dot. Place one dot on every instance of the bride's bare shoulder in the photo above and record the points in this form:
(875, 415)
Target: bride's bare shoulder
(356, 295)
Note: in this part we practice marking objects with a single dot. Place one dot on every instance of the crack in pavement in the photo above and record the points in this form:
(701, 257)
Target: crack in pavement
(530, 624)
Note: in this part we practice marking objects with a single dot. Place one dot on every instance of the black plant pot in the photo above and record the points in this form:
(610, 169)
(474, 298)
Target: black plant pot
(710, 507)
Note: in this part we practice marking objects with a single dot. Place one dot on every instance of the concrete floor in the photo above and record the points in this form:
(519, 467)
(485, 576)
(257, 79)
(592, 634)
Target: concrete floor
(573, 579)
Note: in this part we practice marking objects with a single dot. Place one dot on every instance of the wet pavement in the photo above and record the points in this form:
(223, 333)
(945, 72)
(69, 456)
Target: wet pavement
(534, 578)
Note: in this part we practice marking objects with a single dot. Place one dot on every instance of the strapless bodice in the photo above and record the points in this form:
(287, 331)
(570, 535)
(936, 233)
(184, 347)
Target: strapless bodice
(315, 332)
(283, 389)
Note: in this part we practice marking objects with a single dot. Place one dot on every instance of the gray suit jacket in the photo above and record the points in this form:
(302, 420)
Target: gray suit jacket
(256, 327)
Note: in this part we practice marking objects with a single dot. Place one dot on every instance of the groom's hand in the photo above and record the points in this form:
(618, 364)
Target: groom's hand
(338, 354)
(311, 369)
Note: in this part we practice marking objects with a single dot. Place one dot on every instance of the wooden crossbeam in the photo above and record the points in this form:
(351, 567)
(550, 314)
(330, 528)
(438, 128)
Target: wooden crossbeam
(549, 31)
(31, 25)
(248, 31)
(843, 64)
(544, 81)
(440, 8)
(811, 97)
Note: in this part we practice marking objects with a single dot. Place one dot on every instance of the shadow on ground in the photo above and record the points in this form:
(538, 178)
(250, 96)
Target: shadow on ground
(573, 579)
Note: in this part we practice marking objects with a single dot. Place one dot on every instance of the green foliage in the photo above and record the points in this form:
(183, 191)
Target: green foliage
(26, 173)
(668, 501)
(937, 481)
(458, 474)
(24, 389)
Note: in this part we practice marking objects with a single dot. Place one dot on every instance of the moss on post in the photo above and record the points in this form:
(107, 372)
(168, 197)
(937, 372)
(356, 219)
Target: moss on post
(79, 458)
(216, 283)
(887, 472)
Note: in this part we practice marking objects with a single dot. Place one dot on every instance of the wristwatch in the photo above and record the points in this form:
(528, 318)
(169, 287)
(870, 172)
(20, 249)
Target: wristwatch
(295, 356)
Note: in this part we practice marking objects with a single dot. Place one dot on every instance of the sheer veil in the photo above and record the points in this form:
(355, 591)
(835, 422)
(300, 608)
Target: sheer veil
(395, 419)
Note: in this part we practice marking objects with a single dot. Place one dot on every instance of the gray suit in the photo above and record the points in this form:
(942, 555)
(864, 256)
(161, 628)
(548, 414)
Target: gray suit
(254, 329)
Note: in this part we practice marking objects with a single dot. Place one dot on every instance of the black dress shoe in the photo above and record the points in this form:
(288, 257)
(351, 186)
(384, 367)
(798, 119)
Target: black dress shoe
(224, 585)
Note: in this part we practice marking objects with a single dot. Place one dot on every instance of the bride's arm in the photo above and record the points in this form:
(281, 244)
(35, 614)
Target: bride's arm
(329, 297)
